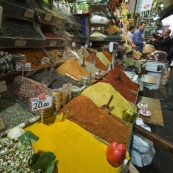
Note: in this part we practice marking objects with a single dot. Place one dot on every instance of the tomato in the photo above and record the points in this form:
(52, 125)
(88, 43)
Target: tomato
(116, 154)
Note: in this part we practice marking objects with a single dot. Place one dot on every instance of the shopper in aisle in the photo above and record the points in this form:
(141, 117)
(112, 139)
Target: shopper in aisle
(164, 43)
(168, 95)
(130, 32)
(137, 37)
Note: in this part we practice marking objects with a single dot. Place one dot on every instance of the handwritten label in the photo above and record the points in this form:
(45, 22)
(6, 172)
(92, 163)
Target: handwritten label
(53, 43)
(2, 123)
(29, 14)
(3, 86)
(39, 104)
(48, 17)
(20, 43)
(23, 66)
(73, 44)
(45, 60)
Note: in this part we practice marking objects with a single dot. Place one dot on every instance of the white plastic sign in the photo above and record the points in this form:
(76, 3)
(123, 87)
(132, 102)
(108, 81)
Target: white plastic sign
(45, 60)
(39, 104)
(53, 43)
(20, 43)
(29, 14)
(47, 17)
(23, 66)
(3, 86)
(73, 44)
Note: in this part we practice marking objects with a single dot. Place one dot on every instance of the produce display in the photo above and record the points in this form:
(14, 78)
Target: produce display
(100, 93)
(22, 29)
(91, 153)
(33, 56)
(72, 68)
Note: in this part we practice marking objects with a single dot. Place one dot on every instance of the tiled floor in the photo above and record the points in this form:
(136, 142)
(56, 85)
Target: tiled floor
(163, 160)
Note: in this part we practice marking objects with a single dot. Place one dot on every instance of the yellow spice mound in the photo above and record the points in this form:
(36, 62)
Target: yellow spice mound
(76, 149)
(72, 68)
(100, 93)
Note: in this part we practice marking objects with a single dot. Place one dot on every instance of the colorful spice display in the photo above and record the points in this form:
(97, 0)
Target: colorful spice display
(97, 121)
(100, 93)
(98, 63)
(72, 68)
(85, 154)
(33, 56)
(108, 55)
(22, 29)
(25, 88)
(103, 58)
(126, 82)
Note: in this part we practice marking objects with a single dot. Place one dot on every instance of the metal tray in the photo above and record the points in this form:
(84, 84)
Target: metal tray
(15, 42)
(16, 11)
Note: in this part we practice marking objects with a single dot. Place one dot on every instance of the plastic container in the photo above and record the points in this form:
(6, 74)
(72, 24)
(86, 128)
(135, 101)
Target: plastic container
(159, 77)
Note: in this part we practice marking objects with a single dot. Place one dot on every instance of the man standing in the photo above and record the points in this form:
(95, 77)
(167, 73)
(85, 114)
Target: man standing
(131, 32)
(137, 37)
(164, 43)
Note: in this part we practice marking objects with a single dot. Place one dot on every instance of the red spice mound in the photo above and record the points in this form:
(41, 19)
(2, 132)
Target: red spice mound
(86, 114)
(48, 33)
(98, 63)
(126, 80)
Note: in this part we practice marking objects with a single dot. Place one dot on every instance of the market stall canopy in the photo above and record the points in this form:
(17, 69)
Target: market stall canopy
(166, 12)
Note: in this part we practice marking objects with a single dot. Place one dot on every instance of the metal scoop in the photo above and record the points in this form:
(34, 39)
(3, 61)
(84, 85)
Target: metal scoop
(106, 106)
(47, 80)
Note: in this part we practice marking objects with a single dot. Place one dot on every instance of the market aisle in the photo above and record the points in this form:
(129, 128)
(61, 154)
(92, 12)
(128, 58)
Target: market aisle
(163, 160)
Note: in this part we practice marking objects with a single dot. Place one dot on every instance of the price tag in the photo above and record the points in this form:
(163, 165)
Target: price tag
(45, 60)
(23, 66)
(29, 14)
(20, 43)
(79, 12)
(3, 86)
(86, 46)
(2, 123)
(39, 103)
(53, 43)
(48, 17)
(73, 44)
(65, 42)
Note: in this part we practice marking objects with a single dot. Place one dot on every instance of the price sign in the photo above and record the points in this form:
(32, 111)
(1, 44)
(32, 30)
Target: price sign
(20, 43)
(3, 86)
(48, 17)
(23, 66)
(53, 43)
(41, 103)
(2, 123)
(73, 44)
(45, 60)
(29, 13)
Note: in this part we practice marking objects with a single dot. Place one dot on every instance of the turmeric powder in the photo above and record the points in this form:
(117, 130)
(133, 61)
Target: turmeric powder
(76, 149)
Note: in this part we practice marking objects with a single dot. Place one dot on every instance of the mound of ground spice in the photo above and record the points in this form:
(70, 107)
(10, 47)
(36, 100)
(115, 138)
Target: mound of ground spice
(86, 114)
(126, 82)
(72, 67)
(98, 63)
(108, 55)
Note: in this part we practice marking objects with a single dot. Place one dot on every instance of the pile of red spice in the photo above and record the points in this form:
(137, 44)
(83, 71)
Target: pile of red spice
(49, 33)
(86, 114)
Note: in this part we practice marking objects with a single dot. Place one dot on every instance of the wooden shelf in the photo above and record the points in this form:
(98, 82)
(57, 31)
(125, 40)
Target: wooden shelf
(10, 75)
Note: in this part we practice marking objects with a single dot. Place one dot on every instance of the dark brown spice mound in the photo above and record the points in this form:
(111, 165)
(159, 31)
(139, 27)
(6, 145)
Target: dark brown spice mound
(85, 113)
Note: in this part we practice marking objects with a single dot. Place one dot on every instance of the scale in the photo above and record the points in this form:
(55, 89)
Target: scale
(113, 47)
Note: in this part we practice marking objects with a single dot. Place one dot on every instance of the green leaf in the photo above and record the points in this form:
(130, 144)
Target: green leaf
(44, 160)
(28, 137)
(51, 166)
(22, 147)
(33, 160)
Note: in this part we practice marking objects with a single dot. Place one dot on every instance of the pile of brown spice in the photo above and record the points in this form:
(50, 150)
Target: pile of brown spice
(72, 68)
(85, 113)
(33, 56)
(98, 63)
(126, 81)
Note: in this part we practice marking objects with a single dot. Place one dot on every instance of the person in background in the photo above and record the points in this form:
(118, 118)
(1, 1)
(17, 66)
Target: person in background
(168, 95)
(164, 43)
(130, 32)
(151, 42)
(137, 37)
